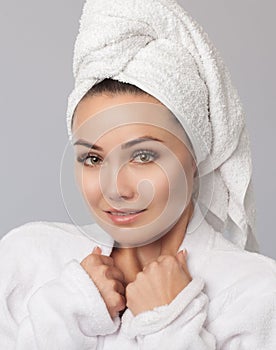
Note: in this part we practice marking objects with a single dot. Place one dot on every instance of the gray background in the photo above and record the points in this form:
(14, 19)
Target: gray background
(37, 39)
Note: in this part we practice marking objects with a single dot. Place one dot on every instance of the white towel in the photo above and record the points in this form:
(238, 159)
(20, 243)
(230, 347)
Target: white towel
(157, 46)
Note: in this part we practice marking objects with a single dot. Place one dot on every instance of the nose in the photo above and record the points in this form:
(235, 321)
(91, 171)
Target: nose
(117, 183)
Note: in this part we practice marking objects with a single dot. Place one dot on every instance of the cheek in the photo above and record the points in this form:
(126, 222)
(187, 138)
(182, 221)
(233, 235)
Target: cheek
(160, 183)
(189, 169)
(88, 183)
(182, 178)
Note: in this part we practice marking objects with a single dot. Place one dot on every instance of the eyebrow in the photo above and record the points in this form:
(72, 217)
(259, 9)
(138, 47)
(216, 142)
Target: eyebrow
(123, 146)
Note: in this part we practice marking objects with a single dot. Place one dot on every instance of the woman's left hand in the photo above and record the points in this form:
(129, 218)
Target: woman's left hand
(159, 283)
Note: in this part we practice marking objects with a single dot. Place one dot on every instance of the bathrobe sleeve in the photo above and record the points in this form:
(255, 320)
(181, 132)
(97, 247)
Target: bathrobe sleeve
(65, 312)
(178, 325)
(240, 323)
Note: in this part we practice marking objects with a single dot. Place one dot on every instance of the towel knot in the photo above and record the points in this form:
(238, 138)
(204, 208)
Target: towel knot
(158, 47)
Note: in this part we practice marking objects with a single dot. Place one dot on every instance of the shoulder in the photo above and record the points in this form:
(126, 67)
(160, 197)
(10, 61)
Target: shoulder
(38, 232)
(230, 267)
(36, 252)
(42, 242)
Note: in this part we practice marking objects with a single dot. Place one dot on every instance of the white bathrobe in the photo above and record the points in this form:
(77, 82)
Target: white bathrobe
(48, 301)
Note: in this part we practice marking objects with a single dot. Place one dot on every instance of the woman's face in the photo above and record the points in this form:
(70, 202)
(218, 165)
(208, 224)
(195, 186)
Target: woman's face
(149, 180)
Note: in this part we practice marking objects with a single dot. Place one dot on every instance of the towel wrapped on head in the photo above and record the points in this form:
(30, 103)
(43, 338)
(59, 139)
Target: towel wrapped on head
(158, 47)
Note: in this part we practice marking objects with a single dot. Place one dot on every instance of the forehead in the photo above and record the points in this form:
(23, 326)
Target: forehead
(125, 116)
(122, 134)
(122, 122)
(93, 105)
(130, 136)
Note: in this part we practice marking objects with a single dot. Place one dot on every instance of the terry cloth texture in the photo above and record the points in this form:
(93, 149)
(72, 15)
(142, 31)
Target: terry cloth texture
(157, 46)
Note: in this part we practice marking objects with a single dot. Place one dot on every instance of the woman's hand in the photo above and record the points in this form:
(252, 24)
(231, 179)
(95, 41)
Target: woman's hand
(108, 279)
(158, 283)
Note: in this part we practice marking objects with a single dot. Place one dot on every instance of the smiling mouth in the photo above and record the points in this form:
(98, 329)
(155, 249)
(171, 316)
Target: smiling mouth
(124, 217)
(124, 213)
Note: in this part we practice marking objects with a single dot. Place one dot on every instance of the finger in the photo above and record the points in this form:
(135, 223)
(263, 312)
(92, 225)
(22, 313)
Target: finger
(114, 273)
(120, 301)
(181, 257)
(119, 288)
(97, 250)
(103, 259)
(148, 263)
(107, 260)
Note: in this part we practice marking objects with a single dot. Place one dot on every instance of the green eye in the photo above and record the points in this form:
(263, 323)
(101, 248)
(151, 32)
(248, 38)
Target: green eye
(141, 156)
(95, 160)
(145, 156)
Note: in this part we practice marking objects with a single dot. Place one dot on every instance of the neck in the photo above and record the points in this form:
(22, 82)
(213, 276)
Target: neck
(167, 244)
(136, 258)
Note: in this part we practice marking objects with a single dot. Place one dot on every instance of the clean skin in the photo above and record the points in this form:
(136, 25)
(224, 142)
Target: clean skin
(148, 275)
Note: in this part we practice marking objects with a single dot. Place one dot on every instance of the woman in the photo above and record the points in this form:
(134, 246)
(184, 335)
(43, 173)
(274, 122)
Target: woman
(158, 162)
(147, 158)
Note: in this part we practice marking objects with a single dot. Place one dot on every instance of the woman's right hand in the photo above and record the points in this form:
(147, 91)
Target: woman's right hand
(108, 279)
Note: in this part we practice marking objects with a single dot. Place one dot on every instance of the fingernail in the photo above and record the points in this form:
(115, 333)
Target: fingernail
(184, 251)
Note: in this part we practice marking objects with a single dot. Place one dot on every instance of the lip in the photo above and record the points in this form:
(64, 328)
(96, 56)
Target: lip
(126, 219)
(123, 210)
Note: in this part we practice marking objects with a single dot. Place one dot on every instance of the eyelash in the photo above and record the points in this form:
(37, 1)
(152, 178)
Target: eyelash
(151, 153)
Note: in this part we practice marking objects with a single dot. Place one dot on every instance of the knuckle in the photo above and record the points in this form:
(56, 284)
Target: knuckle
(109, 260)
(153, 265)
(93, 259)
(169, 260)
(140, 275)
(111, 300)
(129, 289)
(113, 284)
(117, 300)
(120, 274)
(122, 303)
(103, 269)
